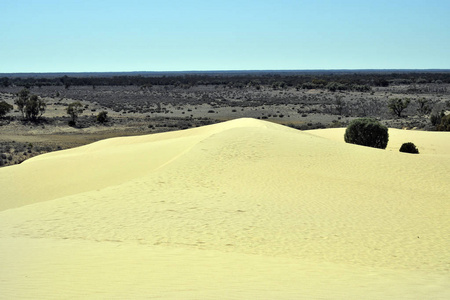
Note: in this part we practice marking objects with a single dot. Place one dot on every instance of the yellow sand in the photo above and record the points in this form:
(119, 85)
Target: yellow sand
(244, 209)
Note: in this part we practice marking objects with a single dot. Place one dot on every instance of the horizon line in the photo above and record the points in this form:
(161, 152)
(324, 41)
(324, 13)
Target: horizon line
(229, 71)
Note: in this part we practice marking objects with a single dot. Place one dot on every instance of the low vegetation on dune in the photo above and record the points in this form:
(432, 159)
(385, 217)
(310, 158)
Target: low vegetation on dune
(367, 132)
(409, 148)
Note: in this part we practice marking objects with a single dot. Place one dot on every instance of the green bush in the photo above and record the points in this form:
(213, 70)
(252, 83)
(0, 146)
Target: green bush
(5, 108)
(436, 118)
(445, 124)
(409, 148)
(367, 132)
(102, 117)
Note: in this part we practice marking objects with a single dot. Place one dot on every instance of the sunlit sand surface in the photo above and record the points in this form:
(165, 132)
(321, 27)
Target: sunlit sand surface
(244, 209)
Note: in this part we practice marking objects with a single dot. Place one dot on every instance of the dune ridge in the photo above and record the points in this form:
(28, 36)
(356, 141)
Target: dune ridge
(285, 210)
(97, 165)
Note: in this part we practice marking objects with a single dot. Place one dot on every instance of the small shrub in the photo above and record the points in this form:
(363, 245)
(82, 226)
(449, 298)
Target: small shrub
(5, 108)
(445, 124)
(409, 148)
(102, 117)
(367, 132)
(436, 118)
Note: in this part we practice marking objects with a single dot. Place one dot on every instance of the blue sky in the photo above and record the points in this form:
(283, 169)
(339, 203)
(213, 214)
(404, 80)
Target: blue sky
(138, 35)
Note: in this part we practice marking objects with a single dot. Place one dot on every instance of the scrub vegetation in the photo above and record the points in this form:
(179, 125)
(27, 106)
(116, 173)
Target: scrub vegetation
(59, 111)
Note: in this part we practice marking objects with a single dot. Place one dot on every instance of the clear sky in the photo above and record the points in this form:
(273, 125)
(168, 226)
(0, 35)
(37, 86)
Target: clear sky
(183, 35)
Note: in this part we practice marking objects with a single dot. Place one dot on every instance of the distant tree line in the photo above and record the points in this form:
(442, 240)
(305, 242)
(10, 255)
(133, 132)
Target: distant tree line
(333, 81)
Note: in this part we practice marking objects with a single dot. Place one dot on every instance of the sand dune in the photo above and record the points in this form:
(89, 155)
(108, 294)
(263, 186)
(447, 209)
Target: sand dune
(244, 209)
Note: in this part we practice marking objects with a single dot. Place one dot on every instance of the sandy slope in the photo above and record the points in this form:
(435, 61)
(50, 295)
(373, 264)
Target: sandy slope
(242, 209)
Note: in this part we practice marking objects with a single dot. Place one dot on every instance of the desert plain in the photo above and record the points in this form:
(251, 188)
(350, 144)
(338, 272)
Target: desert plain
(245, 208)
